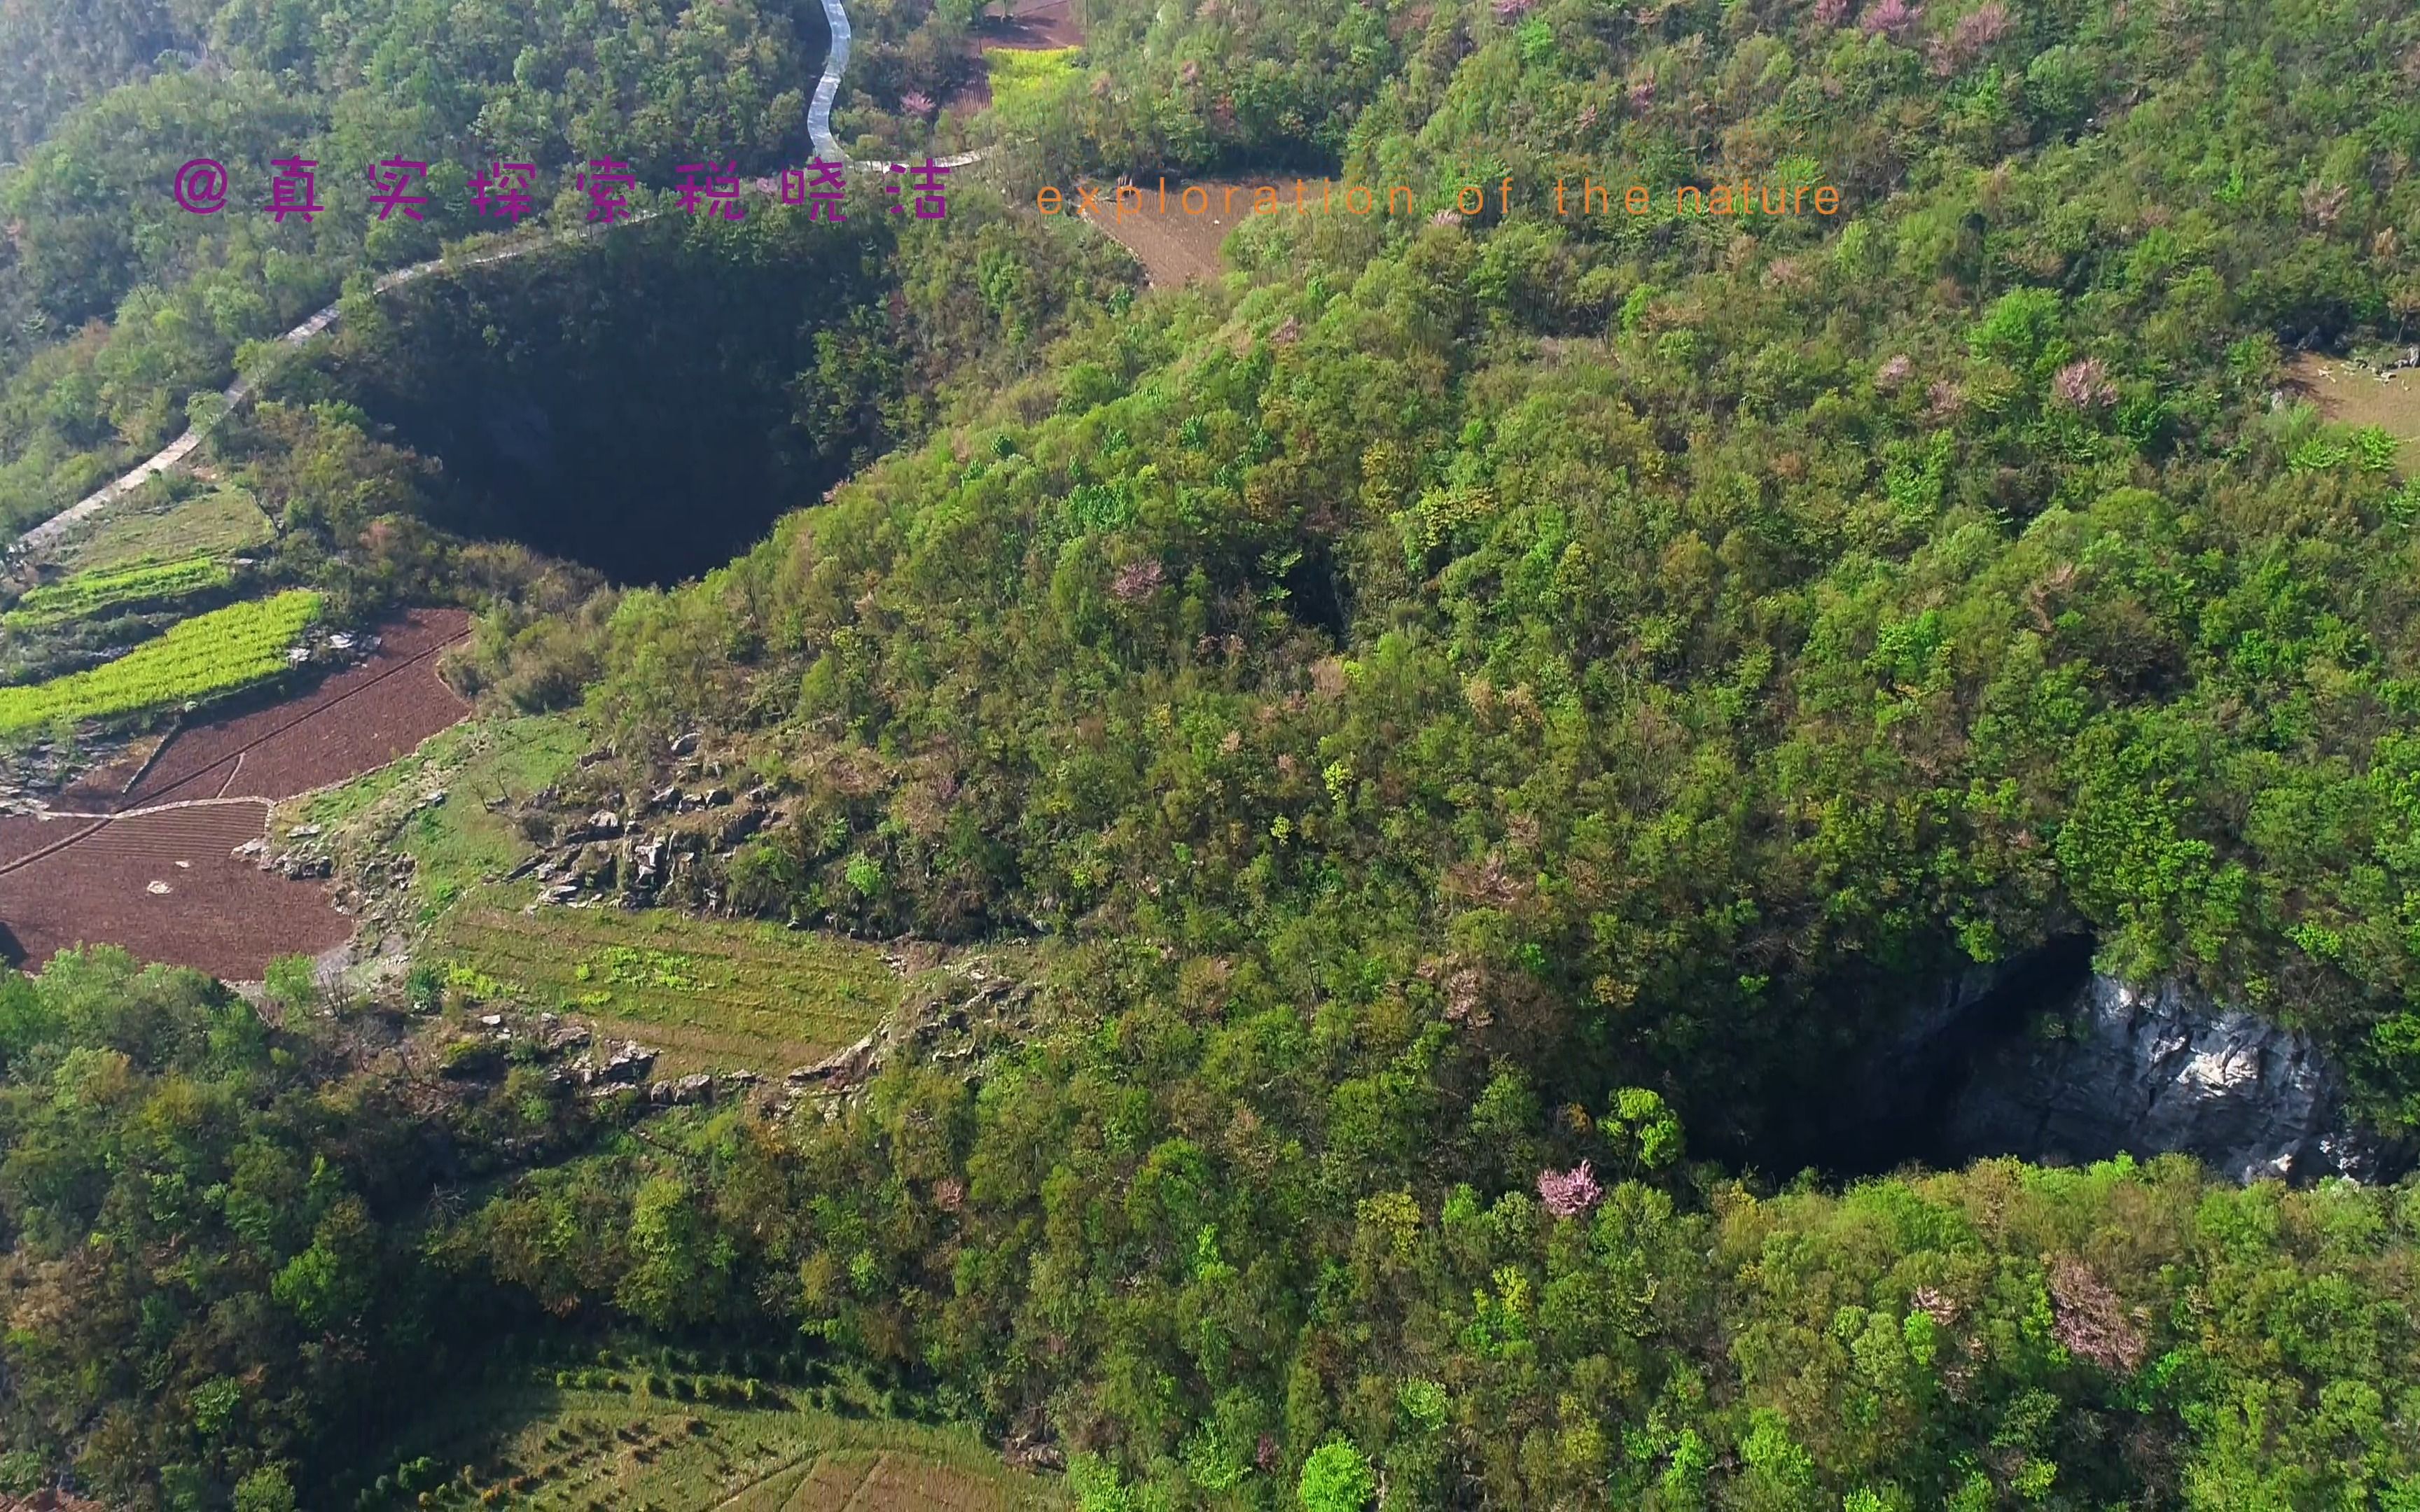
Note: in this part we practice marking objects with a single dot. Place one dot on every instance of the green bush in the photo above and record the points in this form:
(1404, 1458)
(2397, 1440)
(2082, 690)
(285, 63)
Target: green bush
(1336, 1479)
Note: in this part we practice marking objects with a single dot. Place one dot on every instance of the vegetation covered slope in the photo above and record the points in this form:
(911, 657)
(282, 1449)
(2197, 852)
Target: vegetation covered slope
(1657, 643)
(1474, 667)
(1467, 699)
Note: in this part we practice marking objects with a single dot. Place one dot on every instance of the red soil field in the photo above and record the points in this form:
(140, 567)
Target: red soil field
(1035, 27)
(22, 835)
(221, 915)
(70, 881)
(354, 722)
(1175, 248)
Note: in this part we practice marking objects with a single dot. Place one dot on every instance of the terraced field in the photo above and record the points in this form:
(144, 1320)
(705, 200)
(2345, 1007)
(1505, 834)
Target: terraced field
(210, 654)
(220, 523)
(612, 1451)
(709, 993)
(164, 885)
(861, 1482)
(104, 590)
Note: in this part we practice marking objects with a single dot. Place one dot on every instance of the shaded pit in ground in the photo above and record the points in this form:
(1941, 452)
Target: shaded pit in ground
(630, 402)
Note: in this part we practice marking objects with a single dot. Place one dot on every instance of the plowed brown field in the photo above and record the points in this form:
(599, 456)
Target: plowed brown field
(155, 874)
(163, 885)
(354, 722)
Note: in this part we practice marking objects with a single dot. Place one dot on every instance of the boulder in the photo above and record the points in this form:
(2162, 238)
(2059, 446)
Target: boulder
(629, 1062)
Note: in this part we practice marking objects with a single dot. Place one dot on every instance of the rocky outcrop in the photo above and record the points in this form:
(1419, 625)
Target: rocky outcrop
(2154, 1069)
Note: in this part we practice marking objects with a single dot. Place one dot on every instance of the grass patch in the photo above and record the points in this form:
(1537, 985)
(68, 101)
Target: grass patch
(710, 992)
(460, 845)
(2347, 395)
(89, 595)
(555, 1449)
(219, 523)
(210, 654)
(1028, 87)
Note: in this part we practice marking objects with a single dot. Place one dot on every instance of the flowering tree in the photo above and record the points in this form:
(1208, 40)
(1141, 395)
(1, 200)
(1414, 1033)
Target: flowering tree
(2084, 385)
(1569, 1194)
(1893, 18)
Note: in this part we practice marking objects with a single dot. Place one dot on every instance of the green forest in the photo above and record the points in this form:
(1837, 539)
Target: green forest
(1476, 728)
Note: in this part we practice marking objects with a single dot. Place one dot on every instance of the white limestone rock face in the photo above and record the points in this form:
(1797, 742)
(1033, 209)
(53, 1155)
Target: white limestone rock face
(2159, 1068)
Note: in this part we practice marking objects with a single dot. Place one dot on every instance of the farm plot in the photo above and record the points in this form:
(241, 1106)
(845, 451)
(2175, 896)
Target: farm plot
(90, 595)
(220, 523)
(355, 721)
(861, 1482)
(157, 877)
(582, 1447)
(710, 992)
(163, 885)
(210, 654)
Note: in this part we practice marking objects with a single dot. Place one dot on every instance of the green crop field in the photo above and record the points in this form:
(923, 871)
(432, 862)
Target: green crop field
(710, 992)
(220, 523)
(102, 589)
(1027, 84)
(646, 1441)
(209, 654)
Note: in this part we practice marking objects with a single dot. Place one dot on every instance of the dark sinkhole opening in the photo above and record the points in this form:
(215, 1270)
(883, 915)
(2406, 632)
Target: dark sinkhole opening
(632, 401)
(1889, 1098)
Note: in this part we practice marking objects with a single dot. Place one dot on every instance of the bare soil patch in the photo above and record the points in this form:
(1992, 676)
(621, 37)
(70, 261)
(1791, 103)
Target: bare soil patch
(353, 722)
(2356, 397)
(1173, 247)
(1035, 28)
(164, 886)
(23, 835)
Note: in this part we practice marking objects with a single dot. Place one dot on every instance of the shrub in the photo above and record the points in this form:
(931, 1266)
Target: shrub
(1336, 1479)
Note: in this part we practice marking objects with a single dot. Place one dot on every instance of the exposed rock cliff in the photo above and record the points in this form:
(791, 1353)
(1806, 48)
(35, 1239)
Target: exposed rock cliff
(2153, 1068)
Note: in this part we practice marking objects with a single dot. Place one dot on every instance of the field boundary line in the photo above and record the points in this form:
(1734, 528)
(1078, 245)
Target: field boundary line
(783, 1468)
(237, 755)
(175, 724)
(56, 847)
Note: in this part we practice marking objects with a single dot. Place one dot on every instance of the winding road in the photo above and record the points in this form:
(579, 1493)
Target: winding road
(828, 87)
(38, 541)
